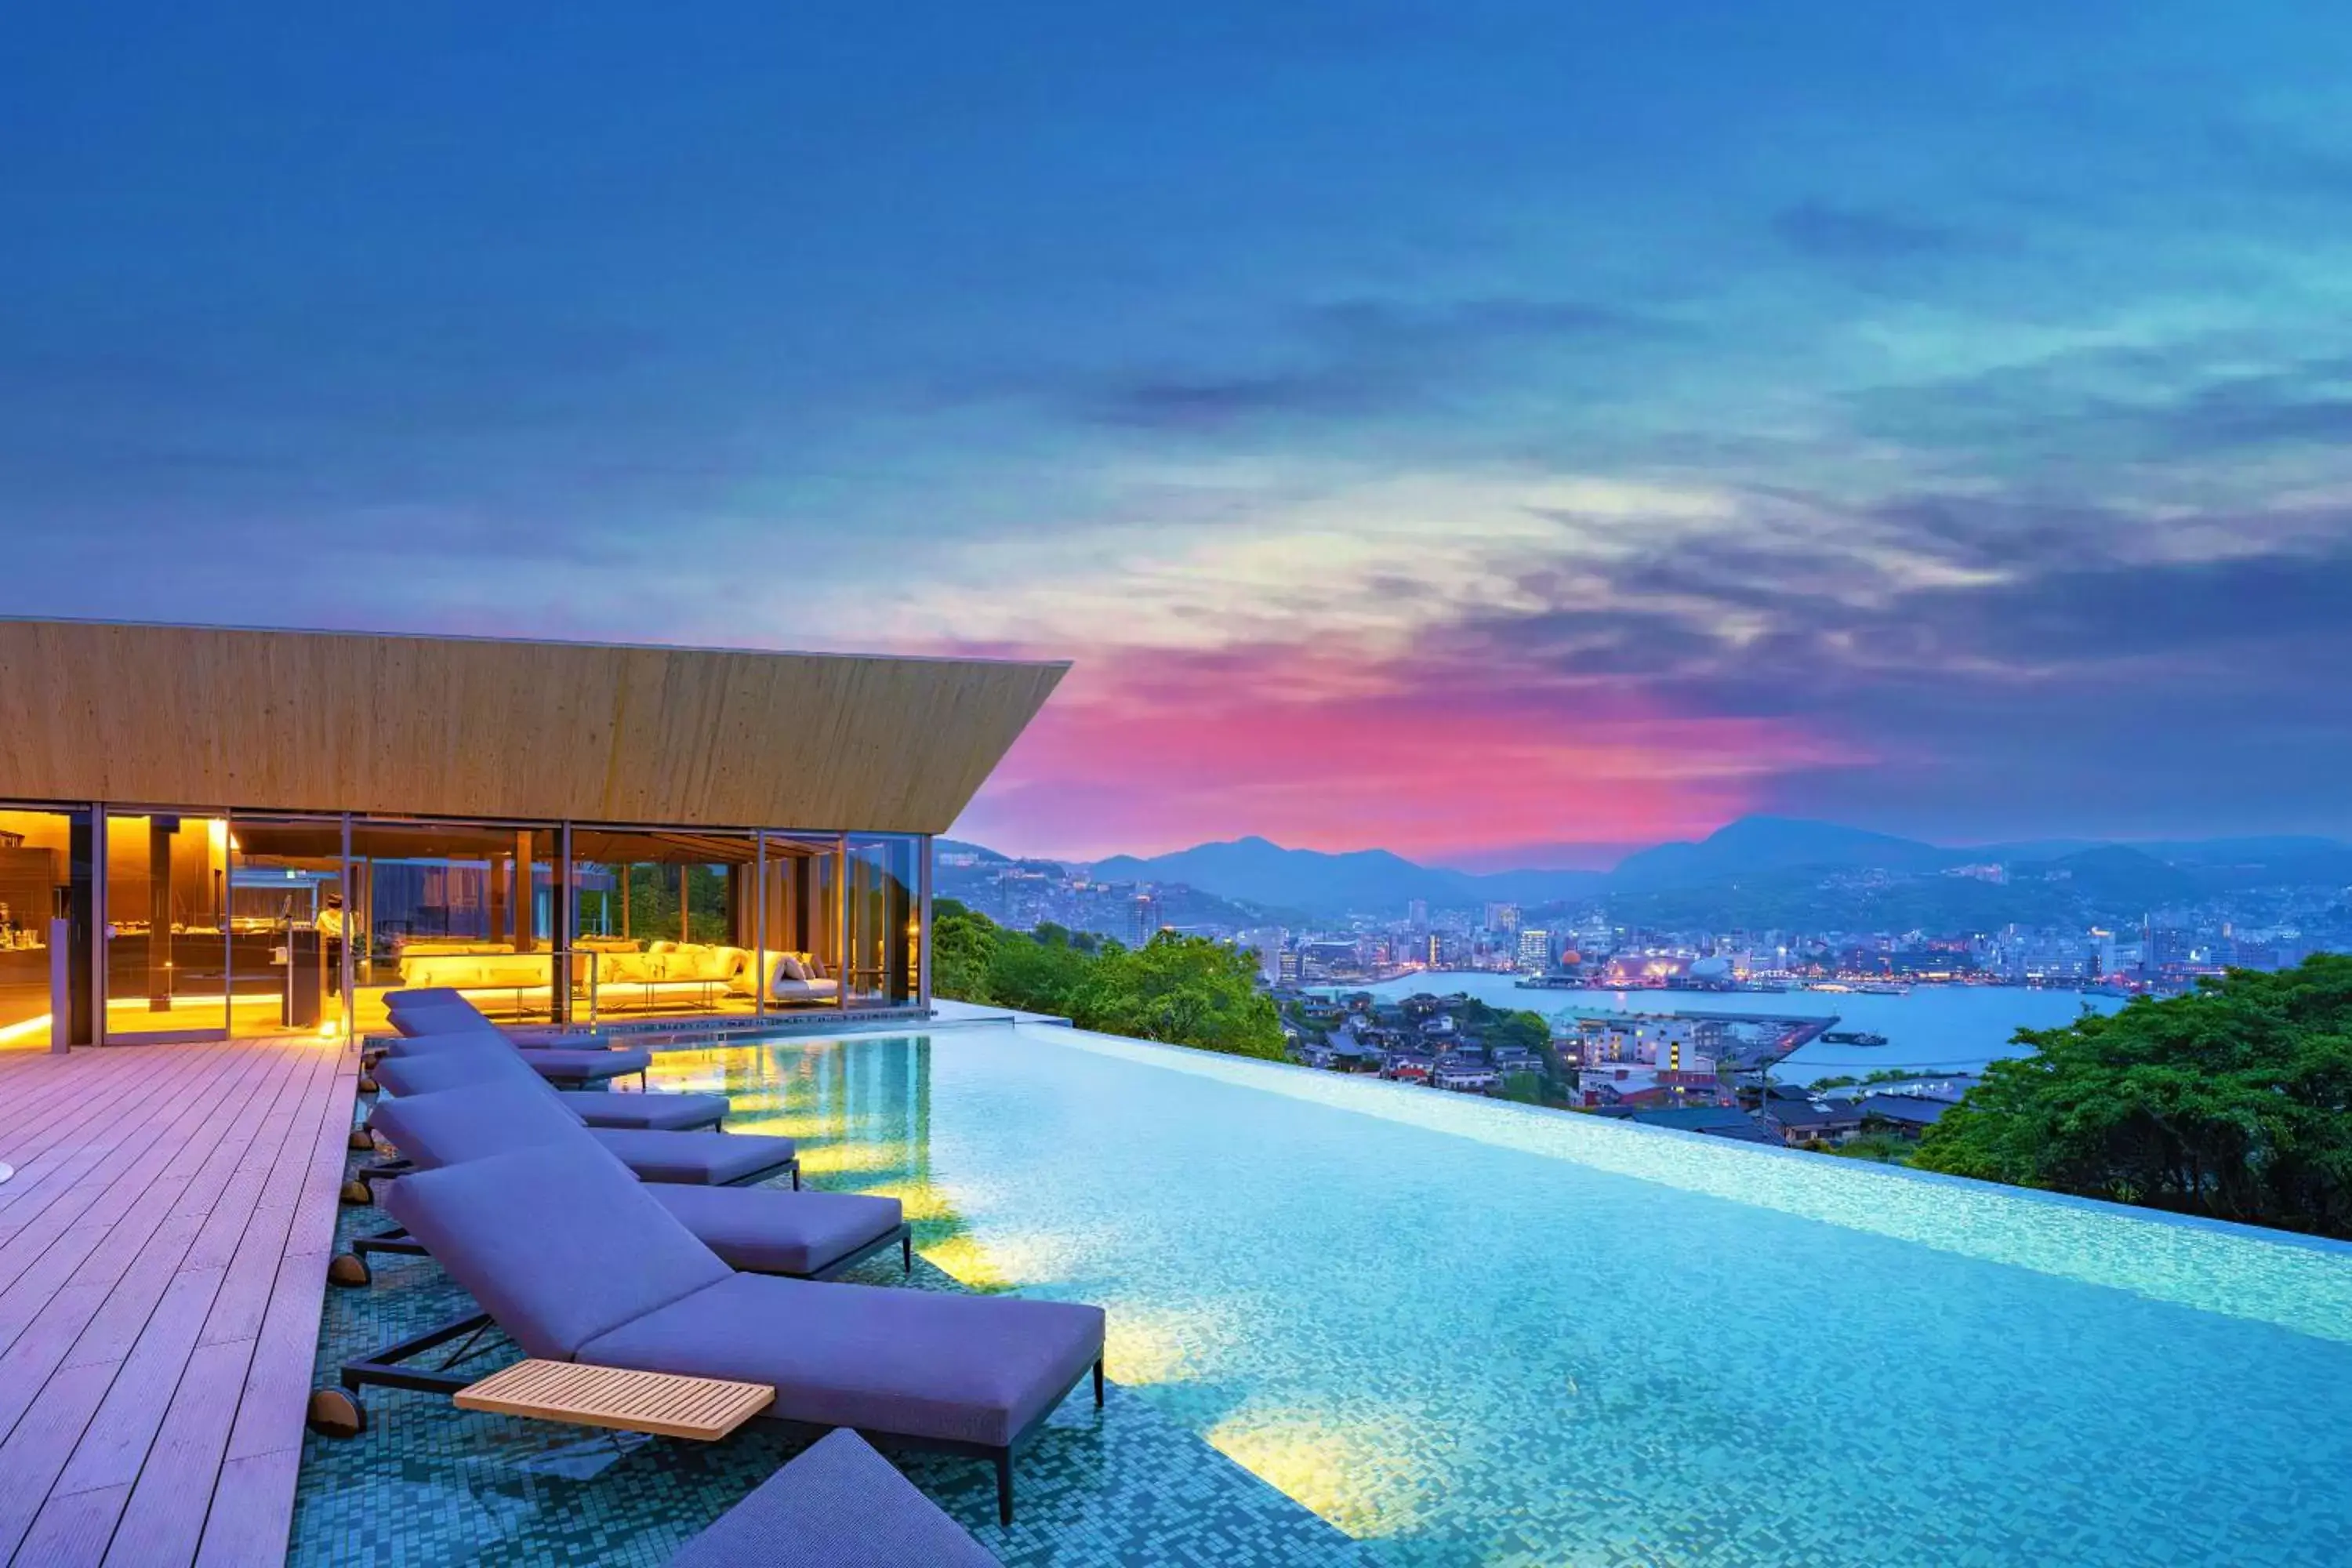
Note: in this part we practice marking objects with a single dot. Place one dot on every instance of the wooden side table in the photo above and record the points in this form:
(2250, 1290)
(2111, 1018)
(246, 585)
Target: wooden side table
(668, 1404)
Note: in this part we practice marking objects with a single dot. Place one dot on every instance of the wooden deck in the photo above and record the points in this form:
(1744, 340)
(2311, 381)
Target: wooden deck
(163, 1248)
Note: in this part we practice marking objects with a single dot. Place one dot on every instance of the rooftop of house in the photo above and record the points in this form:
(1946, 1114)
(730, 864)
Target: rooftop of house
(1908, 1110)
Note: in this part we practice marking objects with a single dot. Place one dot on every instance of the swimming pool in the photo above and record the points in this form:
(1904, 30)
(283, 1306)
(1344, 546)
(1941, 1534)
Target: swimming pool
(1467, 1332)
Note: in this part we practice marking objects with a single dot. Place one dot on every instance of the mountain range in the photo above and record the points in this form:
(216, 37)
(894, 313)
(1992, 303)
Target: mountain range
(1264, 873)
(1764, 870)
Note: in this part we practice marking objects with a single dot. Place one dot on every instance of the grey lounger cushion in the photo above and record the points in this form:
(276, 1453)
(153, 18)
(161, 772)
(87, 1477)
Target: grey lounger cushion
(558, 1063)
(450, 1060)
(965, 1369)
(431, 1071)
(427, 996)
(767, 1230)
(650, 1112)
(481, 1124)
(839, 1505)
(436, 1124)
(557, 1243)
(577, 1262)
(770, 1230)
(712, 1159)
(443, 1017)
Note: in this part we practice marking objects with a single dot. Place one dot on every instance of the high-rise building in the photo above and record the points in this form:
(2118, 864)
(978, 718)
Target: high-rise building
(1416, 914)
(1435, 957)
(1266, 942)
(1502, 917)
(1143, 919)
(1535, 949)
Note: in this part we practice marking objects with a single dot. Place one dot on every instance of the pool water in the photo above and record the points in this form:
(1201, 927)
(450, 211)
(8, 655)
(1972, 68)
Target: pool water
(1470, 1332)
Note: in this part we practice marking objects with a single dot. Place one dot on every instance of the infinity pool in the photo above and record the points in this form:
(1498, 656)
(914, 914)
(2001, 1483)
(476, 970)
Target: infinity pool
(1470, 1332)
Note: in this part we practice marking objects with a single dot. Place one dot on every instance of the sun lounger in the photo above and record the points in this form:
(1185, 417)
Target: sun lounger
(598, 1108)
(703, 1158)
(838, 1505)
(439, 1014)
(570, 1065)
(762, 1230)
(576, 1262)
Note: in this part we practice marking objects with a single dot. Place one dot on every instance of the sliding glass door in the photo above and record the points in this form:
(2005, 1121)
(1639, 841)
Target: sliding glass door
(166, 936)
(471, 906)
(662, 922)
(883, 901)
(48, 908)
(801, 922)
(287, 919)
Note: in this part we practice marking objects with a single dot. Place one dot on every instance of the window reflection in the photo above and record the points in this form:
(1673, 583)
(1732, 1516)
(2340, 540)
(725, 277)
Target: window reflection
(663, 922)
(468, 906)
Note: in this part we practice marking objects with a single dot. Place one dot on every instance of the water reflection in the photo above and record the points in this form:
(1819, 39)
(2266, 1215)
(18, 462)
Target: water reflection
(861, 1112)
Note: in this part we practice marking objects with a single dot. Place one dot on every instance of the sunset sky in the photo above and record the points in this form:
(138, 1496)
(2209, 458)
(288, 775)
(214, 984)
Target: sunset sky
(1501, 433)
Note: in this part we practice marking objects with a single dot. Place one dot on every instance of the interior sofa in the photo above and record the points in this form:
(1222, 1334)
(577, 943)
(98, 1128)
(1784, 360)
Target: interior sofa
(495, 981)
(660, 974)
(797, 977)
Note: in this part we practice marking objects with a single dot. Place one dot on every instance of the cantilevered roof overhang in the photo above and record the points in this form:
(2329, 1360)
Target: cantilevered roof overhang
(477, 727)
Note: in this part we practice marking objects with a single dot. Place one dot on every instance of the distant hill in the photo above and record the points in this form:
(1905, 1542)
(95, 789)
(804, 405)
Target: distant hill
(1755, 845)
(1763, 871)
(2111, 878)
(1366, 882)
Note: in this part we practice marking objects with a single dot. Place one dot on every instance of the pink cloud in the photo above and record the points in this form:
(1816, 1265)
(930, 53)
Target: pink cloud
(1147, 750)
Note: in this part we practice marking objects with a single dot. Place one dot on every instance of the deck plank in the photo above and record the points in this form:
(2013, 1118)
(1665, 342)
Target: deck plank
(162, 1268)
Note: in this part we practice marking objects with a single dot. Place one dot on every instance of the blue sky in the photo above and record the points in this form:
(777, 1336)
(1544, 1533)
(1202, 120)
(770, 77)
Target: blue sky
(1489, 430)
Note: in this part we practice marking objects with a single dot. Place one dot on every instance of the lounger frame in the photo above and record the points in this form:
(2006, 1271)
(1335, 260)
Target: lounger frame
(398, 1242)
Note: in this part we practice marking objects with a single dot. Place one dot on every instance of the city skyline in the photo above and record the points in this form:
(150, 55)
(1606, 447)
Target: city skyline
(1497, 436)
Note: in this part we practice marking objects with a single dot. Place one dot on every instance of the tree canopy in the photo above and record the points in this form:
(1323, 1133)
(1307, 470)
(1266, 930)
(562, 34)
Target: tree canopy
(2233, 1101)
(1184, 989)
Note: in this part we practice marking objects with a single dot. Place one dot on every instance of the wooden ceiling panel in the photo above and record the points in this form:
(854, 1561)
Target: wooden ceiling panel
(466, 727)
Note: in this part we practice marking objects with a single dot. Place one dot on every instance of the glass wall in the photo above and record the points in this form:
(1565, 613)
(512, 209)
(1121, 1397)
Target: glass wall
(133, 924)
(472, 906)
(663, 922)
(286, 921)
(47, 909)
(801, 914)
(884, 899)
(166, 932)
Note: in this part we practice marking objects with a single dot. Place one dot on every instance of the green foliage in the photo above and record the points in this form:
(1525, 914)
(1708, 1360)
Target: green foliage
(1527, 1088)
(2234, 1102)
(1529, 1031)
(963, 946)
(1186, 991)
(1886, 1148)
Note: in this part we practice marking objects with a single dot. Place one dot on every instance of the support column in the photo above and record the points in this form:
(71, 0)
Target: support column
(159, 830)
(526, 897)
(86, 875)
(496, 895)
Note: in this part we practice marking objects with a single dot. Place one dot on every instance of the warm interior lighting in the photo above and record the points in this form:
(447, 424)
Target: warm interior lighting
(24, 1030)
